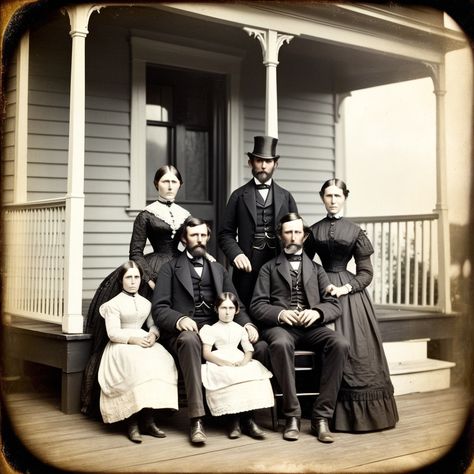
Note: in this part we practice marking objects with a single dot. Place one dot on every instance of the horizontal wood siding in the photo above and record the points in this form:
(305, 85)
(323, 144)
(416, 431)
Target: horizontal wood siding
(8, 145)
(107, 173)
(48, 110)
(306, 131)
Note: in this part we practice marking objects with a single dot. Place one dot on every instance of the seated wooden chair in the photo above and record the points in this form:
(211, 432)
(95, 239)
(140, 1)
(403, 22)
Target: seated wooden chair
(305, 364)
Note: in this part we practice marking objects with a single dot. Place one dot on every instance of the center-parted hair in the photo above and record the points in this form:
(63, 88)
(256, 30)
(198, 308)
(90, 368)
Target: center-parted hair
(127, 266)
(160, 172)
(292, 216)
(227, 295)
(334, 182)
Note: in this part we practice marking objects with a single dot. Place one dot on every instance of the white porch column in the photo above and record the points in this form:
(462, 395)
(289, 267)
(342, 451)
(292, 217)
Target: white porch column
(74, 234)
(21, 120)
(444, 249)
(271, 42)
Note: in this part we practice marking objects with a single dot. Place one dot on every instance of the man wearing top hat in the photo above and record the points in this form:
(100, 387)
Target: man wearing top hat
(247, 234)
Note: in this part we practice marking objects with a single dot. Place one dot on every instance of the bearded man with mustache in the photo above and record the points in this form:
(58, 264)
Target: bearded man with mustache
(293, 309)
(247, 234)
(183, 301)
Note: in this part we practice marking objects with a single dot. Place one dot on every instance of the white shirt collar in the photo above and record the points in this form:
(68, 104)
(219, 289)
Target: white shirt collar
(335, 216)
(256, 181)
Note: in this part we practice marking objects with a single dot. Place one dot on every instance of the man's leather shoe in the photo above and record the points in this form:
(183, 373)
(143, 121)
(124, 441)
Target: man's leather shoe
(153, 430)
(320, 428)
(133, 432)
(250, 428)
(234, 428)
(292, 428)
(197, 433)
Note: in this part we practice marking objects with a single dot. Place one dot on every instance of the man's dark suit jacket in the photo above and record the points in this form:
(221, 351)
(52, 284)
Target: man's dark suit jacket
(173, 297)
(273, 291)
(240, 218)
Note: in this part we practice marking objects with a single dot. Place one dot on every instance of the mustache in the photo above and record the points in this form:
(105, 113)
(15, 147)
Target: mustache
(292, 248)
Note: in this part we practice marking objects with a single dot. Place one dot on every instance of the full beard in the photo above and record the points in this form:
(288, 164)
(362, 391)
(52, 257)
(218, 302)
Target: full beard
(197, 251)
(262, 176)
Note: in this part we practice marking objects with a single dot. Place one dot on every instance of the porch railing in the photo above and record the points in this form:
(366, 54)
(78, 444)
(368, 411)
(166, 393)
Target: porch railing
(34, 259)
(405, 260)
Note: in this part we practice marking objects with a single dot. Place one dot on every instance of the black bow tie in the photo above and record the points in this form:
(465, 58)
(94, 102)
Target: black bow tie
(294, 258)
(197, 262)
(262, 186)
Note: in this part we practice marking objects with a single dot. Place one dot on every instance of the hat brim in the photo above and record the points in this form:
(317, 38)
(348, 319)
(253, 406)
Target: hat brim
(265, 157)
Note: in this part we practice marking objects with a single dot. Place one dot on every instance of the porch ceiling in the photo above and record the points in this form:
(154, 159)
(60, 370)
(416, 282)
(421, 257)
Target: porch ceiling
(354, 47)
(361, 45)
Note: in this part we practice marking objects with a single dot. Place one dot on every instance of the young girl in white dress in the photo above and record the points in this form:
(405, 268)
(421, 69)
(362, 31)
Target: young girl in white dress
(235, 383)
(136, 374)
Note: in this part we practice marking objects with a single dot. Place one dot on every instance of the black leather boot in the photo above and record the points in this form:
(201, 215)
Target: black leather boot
(132, 430)
(148, 424)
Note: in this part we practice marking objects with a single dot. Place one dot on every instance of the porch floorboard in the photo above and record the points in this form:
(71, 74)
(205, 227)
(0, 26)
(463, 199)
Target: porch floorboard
(429, 425)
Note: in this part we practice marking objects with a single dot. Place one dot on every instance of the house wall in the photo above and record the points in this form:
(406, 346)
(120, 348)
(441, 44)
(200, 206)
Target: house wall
(8, 145)
(306, 122)
(48, 110)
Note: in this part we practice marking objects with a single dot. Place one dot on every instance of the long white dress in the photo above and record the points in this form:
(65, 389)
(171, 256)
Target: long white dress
(233, 389)
(133, 377)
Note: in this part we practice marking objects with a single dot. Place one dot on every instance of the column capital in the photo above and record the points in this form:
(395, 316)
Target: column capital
(436, 72)
(271, 41)
(79, 18)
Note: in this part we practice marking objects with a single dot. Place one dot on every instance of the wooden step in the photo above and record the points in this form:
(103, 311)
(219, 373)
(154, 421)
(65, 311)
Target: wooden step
(423, 375)
(405, 351)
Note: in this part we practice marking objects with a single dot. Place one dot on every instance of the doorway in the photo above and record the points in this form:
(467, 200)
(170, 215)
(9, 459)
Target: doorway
(186, 127)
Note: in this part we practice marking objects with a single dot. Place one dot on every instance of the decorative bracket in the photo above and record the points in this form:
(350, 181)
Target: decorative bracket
(271, 42)
(338, 100)
(79, 18)
(435, 74)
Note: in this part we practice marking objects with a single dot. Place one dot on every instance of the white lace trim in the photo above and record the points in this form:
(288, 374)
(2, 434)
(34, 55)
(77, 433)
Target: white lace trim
(173, 215)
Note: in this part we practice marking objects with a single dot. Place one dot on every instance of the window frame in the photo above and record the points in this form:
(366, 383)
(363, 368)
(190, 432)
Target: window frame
(150, 51)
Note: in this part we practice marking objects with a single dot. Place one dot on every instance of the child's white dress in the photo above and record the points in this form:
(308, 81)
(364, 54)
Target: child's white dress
(239, 388)
(132, 377)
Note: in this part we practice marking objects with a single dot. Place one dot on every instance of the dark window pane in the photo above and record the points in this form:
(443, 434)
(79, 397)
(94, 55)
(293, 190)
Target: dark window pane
(196, 166)
(157, 155)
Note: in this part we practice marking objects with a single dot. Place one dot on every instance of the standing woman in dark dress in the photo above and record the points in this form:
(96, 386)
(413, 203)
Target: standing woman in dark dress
(160, 223)
(365, 401)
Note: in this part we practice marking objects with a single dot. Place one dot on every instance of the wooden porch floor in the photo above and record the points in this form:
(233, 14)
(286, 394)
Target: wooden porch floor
(429, 425)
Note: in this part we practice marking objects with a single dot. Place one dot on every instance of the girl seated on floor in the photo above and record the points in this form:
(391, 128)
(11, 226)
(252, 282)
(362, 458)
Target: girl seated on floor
(235, 383)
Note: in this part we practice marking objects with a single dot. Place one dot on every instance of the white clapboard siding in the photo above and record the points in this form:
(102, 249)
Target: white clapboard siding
(48, 112)
(8, 145)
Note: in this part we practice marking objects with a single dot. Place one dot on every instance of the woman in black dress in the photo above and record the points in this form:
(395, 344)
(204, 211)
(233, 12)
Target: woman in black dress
(160, 223)
(365, 401)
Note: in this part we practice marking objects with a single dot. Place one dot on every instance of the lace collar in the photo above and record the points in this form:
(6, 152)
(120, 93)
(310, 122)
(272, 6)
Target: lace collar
(173, 215)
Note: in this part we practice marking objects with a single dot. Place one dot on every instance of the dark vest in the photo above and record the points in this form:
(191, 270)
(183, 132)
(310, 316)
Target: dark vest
(265, 212)
(298, 295)
(203, 290)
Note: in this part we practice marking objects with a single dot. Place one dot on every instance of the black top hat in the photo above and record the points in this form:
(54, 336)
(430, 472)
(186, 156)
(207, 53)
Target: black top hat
(264, 147)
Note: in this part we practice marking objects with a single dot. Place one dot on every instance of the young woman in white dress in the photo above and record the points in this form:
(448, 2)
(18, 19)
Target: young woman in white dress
(235, 383)
(137, 375)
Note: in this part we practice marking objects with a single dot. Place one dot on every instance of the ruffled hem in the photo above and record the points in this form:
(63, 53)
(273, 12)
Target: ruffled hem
(240, 398)
(365, 411)
(365, 395)
(152, 394)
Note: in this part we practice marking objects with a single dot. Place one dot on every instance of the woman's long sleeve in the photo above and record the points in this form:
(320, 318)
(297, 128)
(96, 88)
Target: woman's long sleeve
(364, 271)
(137, 246)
